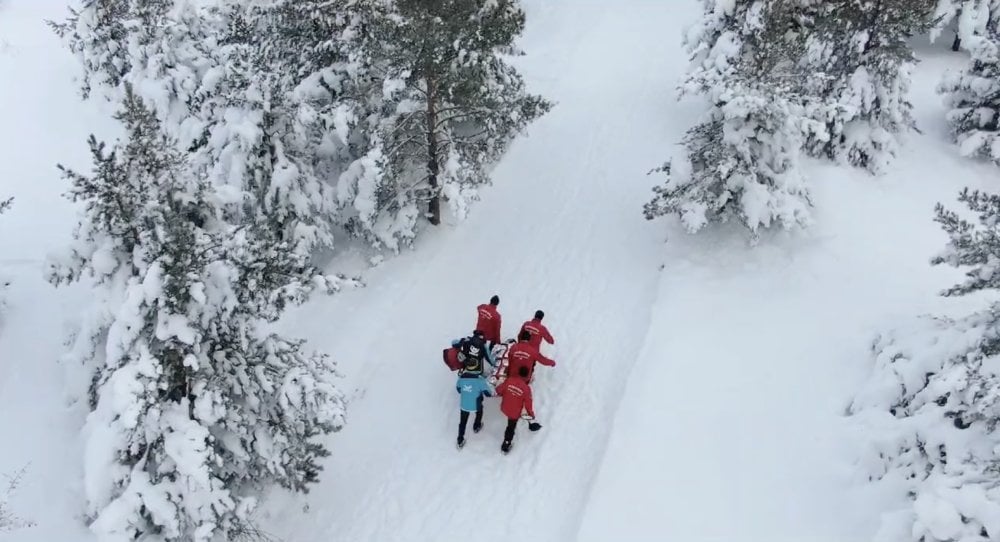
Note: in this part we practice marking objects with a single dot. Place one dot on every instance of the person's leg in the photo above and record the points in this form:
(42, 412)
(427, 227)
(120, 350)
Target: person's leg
(463, 419)
(478, 424)
(508, 435)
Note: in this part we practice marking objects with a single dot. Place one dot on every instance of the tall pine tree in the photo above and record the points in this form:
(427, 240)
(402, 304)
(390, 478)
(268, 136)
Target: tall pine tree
(742, 161)
(860, 61)
(446, 107)
(196, 408)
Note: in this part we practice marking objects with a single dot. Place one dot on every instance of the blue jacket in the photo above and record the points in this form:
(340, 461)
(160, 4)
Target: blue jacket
(472, 388)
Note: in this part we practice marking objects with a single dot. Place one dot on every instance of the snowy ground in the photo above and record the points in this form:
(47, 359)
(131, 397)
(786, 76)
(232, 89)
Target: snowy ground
(732, 423)
(43, 122)
(702, 401)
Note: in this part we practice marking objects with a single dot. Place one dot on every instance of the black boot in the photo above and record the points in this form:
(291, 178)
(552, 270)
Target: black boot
(505, 447)
(477, 427)
(461, 442)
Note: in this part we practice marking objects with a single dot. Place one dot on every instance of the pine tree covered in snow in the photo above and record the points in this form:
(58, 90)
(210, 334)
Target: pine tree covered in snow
(195, 406)
(932, 407)
(970, 18)
(742, 162)
(973, 95)
(220, 77)
(446, 107)
(861, 63)
(98, 33)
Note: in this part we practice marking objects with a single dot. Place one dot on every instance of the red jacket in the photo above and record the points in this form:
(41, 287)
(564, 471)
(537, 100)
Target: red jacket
(488, 322)
(523, 354)
(515, 396)
(538, 332)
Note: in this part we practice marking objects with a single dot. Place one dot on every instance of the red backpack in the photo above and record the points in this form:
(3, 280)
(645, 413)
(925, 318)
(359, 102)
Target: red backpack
(451, 358)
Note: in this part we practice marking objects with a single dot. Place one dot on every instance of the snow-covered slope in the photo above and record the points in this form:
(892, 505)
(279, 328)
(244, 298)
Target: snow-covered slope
(700, 383)
(43, 123)
(561, 231)
(732, 426)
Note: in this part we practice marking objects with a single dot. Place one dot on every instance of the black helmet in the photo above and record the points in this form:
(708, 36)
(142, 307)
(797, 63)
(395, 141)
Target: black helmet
(472, 349)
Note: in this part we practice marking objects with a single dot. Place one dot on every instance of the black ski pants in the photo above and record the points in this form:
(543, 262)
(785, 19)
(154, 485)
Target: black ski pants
(463, 418)
(508, 435)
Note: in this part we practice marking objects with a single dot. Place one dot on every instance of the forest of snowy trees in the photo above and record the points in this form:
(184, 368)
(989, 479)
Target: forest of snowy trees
(830, 80)
(258, 139)
(262, 139)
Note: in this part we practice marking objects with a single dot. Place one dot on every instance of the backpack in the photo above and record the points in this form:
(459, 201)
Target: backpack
(451, 358)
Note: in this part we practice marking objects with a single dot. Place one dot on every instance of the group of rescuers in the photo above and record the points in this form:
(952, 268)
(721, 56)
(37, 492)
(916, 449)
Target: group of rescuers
(512, 376)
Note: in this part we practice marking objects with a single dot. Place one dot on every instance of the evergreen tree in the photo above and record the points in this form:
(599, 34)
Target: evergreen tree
(196, 408)
(743, 161)
(446, 106)
(219, 77)
(98, 33)
(969, 18)
(973, 96)
(932, 407)
(861, 61)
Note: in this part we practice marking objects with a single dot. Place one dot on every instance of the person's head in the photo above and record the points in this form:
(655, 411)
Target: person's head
(539, 315)
(523, 372)
(478, 334)
(524, 336)
(495, 300)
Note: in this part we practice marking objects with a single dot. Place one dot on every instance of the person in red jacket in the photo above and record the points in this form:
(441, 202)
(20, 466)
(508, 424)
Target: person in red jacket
(523, 354)
(515, 399)
(488, 321)
(538, 330)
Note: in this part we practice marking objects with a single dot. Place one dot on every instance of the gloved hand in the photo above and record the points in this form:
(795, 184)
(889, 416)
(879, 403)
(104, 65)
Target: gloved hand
(534, 426)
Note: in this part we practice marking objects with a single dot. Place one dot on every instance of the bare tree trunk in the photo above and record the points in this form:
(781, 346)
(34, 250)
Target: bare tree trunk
(434, 206)
(957, 44)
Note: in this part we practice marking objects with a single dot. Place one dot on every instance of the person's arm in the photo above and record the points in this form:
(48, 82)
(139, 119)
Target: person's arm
(545, 361)
(547, 336)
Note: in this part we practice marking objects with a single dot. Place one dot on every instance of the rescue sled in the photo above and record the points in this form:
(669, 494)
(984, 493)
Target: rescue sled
(499, 373)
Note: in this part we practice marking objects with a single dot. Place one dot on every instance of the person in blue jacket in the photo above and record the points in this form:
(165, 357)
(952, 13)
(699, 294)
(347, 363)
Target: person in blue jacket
(471, 387)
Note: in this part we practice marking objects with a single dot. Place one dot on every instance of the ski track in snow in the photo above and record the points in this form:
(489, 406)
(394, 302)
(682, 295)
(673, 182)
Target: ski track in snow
(561, 230)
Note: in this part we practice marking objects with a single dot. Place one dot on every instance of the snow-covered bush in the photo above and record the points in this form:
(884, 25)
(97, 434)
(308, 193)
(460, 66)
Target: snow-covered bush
(970, 18)
(8, 520)
(973, 96)
(196, 408)
(742, 163)
(859, 64)
(932, 406)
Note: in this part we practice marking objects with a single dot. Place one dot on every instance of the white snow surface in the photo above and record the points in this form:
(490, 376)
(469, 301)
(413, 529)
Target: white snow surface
(700, 385)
